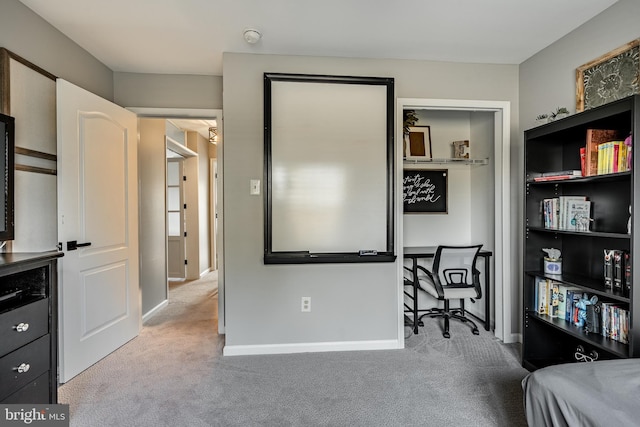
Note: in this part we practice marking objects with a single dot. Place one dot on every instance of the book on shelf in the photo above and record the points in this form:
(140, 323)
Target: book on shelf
(553, 306)
(627, 274)
(563, 300)
(571, 296)
(542, 296)
(608, 268)
(594, 138)
(570, 213)
(614, 322)
(578, 216)
(612, 157)
(618, 270)
(555, 175)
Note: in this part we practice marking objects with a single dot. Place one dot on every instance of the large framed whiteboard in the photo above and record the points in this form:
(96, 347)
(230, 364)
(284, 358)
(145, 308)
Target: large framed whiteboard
(329, 168)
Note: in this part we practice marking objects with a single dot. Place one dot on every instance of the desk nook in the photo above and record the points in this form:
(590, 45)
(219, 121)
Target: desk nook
(412, 285)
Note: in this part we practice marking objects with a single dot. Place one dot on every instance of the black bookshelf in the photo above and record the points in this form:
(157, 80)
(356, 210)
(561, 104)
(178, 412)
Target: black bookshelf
(556, 147)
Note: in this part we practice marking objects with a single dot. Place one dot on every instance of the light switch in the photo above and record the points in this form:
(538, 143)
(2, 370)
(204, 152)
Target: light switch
(255, 187)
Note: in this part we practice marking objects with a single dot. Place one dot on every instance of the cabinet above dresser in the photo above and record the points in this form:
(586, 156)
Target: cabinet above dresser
(28, 327)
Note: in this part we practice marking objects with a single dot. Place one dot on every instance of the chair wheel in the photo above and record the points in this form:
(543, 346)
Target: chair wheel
(446, 334)
(475, 331)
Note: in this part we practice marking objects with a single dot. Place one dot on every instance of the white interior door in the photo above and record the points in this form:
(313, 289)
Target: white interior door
(100, 305)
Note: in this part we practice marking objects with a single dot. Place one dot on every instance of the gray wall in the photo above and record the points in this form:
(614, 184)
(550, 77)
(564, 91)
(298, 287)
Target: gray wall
(167, 90)
(548, 79)
(350, 302)
(153, 232)
(26, 34)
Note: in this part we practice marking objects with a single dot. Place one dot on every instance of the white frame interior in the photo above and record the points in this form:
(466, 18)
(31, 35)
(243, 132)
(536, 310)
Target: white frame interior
(502, 261)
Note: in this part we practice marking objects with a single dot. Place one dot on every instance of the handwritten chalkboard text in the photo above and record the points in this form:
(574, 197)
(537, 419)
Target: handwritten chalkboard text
(425, 191)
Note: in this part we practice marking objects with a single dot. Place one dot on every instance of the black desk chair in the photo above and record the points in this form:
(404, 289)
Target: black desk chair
(453, 276)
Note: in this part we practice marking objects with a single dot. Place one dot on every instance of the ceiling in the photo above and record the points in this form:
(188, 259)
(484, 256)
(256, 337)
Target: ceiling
(189, 36)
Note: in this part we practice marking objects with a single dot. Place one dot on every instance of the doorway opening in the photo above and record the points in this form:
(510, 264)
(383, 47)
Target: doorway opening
(494, 116)
(188, 215)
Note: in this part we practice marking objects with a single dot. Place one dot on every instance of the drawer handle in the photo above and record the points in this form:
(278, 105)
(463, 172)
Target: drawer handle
(24, 367)
(22, 327)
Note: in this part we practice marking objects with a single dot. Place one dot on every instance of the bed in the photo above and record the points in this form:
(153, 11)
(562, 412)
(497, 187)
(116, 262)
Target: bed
(584, 394)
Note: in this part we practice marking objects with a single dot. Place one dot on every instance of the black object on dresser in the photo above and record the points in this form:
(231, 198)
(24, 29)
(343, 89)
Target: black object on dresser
(552, 337)
(28, 327)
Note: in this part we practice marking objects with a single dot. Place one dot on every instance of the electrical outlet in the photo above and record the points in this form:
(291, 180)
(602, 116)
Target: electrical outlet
(306, 304)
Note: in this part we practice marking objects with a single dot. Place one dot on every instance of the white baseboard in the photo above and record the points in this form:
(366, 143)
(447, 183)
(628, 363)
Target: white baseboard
(246, 350)
(149, 314)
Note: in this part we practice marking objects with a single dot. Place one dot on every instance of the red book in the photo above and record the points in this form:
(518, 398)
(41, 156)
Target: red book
(583, 158)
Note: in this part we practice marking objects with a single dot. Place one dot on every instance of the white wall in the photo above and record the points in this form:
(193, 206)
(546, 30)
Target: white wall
(422, 229)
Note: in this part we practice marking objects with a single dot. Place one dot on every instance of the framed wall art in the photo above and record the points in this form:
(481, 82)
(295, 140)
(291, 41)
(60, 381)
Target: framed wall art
(425, 190)
(418, 142)
(608, 78)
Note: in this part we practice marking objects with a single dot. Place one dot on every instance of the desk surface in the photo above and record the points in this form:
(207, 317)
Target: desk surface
(429, 251)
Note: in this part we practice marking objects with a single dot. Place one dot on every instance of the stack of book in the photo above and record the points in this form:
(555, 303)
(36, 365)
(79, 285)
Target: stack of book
(570, 213)
(612, 157)
(615, 322)
(606, 151)
(560, 301)
(617, 270)
(556, 176)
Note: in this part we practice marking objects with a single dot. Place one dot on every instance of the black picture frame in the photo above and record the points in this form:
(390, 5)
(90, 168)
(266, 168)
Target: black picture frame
(425, 191)
(279, 256)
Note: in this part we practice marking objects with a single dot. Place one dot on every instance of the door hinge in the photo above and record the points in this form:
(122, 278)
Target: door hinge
(185, 262)
(185, 234)
(185, 206)
(184, 177)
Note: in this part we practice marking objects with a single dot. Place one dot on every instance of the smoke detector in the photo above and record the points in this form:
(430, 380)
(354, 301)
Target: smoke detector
(252, 36)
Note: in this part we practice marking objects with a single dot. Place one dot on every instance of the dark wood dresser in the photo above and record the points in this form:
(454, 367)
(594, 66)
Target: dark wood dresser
(29, 327)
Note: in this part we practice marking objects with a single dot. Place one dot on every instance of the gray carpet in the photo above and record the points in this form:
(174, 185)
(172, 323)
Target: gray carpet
(173, 374)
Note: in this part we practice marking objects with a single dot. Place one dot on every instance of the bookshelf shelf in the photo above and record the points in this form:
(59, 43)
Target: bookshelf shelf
(614, 347)
(556, 147)
(619, 176)
(624, 236)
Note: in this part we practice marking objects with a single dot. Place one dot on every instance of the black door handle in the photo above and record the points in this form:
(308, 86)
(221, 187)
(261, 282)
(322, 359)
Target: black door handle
(72, 245)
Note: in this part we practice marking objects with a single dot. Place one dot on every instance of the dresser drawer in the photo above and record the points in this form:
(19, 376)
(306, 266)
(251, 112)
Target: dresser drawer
(33, 359)
(23, 325)
(37, 391)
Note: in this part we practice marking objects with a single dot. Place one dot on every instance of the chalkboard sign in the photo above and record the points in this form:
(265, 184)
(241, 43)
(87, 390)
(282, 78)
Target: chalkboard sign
(424, 190)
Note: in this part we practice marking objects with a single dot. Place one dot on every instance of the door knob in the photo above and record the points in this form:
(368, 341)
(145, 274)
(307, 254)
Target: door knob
(72, 245)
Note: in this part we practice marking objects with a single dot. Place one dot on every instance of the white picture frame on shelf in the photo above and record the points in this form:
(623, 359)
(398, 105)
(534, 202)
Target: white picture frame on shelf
(418, 143)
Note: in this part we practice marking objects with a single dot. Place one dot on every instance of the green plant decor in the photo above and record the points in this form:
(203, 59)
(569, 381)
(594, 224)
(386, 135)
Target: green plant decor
(409, 119)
